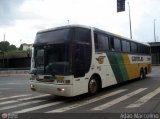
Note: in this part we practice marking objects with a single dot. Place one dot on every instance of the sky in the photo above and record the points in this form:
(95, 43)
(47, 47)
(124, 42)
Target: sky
(20, 20)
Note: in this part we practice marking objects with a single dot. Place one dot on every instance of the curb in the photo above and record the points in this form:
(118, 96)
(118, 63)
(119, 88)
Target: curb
(5, 75)
(14, 72)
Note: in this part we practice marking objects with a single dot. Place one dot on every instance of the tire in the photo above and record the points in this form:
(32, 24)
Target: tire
(93, 86)
(145, 73)
(142, 74)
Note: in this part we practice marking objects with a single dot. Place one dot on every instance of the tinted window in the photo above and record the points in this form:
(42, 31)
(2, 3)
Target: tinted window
(133, 47)
(147, 50)
(39, 58)
(55, 36)
(143, 49)
(125, 46)
(128, 46)
(101, 42)
(117, 45)
(57, 53)
(112, 47)
(139, 48)
(83, 35)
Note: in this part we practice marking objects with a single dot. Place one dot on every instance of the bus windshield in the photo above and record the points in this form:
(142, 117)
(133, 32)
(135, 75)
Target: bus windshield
(62, 52)
(53, 59)
(51, 53)
(57, 59)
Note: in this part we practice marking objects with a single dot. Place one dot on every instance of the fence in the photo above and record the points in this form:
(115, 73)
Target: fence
(156, 58)
(16, 60)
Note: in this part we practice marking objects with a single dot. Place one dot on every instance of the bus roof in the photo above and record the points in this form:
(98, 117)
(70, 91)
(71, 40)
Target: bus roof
(95, 29)
(63, 27)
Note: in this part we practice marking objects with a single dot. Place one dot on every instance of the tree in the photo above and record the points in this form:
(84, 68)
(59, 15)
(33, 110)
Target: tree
(12, 47)
(5, 46)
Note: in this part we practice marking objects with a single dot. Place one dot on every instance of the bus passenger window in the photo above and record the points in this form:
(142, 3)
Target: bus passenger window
(96, 41)
(112, 44)
(101, 42)
(128, 47)
(133, 47)
(117, 45)
(125, 46)
(106, 42)
(83, 35)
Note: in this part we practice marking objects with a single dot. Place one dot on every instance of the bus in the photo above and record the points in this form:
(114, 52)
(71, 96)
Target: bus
(74, 59)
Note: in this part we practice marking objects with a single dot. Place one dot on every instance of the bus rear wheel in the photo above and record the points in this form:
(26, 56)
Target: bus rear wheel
(142, 74)
(92, 86)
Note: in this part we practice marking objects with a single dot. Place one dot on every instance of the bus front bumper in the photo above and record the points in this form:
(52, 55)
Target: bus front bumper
(61, 90)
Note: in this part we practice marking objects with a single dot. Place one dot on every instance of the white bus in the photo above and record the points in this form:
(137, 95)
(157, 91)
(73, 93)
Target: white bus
(74, 59)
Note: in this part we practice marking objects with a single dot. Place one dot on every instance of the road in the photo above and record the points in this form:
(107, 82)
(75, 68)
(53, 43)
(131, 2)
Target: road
(139, 96)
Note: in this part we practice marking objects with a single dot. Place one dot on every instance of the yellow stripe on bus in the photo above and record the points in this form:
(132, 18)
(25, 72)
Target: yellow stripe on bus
(132, 69)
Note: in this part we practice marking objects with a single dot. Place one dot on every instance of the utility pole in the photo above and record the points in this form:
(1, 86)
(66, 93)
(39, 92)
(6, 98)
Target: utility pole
(121, 8)
(130, 26)
(4, 37)
(154, 30)
(68, 22)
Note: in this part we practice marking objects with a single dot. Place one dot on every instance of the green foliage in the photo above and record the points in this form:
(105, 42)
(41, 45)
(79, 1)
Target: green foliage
(12, 47)
(5, 46)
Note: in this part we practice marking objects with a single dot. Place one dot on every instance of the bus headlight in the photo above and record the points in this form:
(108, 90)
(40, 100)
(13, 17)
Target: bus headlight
(32, 86)
(60, 89)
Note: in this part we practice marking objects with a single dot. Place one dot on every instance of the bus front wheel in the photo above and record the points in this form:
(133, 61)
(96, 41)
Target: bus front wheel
(92, 86)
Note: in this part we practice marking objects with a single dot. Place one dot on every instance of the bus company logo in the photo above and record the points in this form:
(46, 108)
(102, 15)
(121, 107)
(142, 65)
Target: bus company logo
(100, 59)
(4, 116)
(137, 58)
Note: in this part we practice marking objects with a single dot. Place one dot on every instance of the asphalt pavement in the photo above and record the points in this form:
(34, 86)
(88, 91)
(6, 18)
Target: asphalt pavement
(138, 96)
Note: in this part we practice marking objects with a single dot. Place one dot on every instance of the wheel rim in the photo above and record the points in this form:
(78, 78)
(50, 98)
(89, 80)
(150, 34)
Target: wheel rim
(93, 86)
(141, 75)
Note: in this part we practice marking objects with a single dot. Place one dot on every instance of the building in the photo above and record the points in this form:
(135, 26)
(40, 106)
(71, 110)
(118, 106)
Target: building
(26, 46)
(155, 52)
